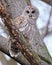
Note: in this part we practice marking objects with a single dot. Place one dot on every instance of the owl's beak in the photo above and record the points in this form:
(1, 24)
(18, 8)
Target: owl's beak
(30, 15)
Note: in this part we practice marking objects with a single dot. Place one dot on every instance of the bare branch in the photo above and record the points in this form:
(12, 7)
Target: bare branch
(4, 48)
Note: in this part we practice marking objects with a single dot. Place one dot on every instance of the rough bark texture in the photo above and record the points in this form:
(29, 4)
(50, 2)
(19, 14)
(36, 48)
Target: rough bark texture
(4, 48)
(5, 61)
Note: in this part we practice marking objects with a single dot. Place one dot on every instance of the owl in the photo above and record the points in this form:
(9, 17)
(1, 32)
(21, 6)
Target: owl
(27, 19)
(26, 23)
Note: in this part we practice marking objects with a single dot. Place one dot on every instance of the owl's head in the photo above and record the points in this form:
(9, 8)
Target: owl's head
(30, 15)
(31, 12)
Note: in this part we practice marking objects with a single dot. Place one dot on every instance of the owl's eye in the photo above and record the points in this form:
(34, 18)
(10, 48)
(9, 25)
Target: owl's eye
(33, 11)
(27, 11)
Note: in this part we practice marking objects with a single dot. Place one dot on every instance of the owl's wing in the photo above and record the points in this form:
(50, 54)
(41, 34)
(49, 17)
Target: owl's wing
(17, 21)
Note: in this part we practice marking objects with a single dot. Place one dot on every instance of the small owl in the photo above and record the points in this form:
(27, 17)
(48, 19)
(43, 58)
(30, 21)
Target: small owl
(27, 19)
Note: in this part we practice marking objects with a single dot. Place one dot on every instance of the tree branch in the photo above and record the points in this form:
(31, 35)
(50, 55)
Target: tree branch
(4, 48)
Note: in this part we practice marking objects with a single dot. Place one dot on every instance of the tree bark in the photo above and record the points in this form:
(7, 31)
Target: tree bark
(3, 59)
(4, 48)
